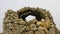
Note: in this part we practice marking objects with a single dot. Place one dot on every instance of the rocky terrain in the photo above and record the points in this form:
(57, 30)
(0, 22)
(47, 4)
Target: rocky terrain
(15, 22)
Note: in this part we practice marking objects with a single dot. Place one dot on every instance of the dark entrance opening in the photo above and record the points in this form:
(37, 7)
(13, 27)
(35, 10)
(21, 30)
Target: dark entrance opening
(24, 14)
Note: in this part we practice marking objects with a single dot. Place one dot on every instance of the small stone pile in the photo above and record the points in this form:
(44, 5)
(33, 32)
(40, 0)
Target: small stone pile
(14, 25)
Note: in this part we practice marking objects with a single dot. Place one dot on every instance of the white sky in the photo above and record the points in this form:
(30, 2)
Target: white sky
(52, 5)
(29, 17)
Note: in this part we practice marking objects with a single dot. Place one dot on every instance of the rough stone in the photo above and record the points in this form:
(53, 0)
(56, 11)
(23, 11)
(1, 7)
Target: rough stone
(52, 30)
(29, 32)
(39, 32)
(15, 23)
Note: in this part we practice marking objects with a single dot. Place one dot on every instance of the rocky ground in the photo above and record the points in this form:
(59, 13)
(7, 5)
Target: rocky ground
(14, 22)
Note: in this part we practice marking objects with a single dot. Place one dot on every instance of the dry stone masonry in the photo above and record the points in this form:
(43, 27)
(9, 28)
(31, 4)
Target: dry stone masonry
(15, 22)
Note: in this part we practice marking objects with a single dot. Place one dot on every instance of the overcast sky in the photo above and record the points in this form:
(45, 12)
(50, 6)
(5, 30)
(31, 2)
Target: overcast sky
(52, 5)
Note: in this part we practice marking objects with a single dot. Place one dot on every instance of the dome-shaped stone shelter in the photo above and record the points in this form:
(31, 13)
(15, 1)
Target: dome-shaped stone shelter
(15, 22)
